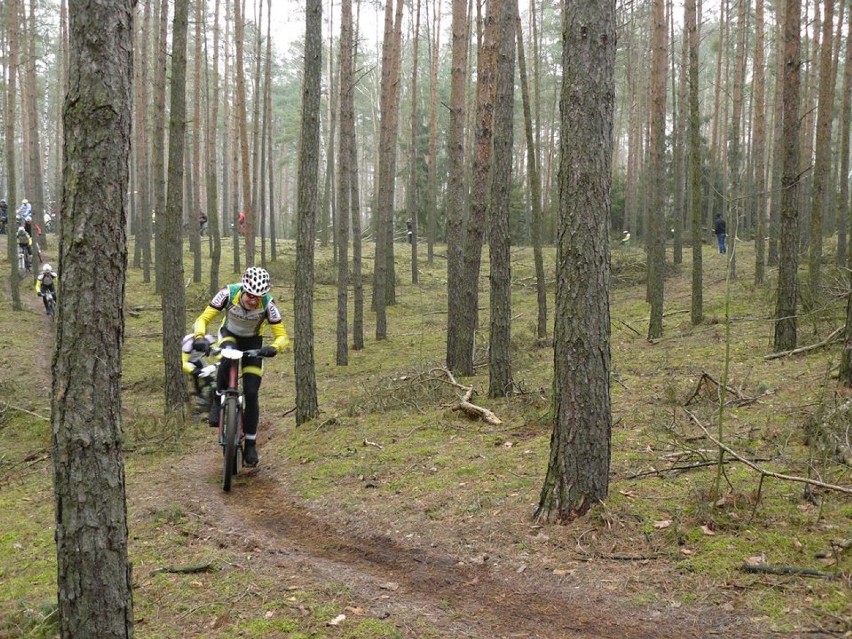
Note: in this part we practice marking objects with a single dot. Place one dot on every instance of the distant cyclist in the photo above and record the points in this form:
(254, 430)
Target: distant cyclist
(249, 309)
(25, 245)
(46, 282)
(193, 363)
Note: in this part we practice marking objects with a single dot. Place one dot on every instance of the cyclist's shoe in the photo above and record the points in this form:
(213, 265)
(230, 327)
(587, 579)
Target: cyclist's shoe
(250, 453)
(213, 414)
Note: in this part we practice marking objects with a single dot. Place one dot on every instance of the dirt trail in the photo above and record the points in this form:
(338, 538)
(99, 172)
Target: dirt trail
(411, 584)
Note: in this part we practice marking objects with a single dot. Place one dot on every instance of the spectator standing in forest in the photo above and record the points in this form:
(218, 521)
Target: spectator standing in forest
(720, 228)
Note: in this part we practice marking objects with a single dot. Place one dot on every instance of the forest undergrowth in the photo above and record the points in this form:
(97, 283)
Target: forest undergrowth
(391, 454)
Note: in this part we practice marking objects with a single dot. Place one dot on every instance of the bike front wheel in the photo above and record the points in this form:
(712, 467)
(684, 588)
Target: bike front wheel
(231, 434)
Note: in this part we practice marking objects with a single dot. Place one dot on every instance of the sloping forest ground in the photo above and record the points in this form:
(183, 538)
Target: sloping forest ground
(393, 515)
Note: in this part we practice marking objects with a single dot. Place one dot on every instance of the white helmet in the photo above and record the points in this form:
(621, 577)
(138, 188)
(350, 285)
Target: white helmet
(256, 281)
(46, 268)
(25, 201)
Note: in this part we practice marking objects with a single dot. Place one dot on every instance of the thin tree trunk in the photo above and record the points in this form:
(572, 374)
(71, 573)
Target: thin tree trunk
(413, 213)
(535, 186)
(174, 306)
(241, 118)
(212, 115)
(759, 147)
(697, 307)
(656, 144)
(307, 407)
(455, 183)
(787, 295)
(822, 159)
(12, 26)
(343, 178)
(500, 382)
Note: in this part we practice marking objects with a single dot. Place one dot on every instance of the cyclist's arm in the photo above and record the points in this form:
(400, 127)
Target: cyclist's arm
(38, 285)
(187, 366)
(280, 339)
(200, 327)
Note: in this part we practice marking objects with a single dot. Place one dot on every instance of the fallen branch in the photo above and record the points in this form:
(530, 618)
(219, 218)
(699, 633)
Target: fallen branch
(706, 378)
(787, 570)
(25, 411)
(767, 473)
(834, 337)
(465, 406)
(185, 570)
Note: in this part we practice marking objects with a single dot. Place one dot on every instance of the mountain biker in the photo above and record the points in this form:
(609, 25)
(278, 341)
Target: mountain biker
(4, 216)
(193, 363)
(248, 308)
(24, 210)
(25, 245)
(46, 281)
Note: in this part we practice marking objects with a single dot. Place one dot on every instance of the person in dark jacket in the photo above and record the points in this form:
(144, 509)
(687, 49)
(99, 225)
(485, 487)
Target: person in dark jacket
(720, 228)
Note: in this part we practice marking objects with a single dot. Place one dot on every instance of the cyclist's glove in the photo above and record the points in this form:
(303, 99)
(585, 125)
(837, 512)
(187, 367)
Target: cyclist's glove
(201, 345)
(268, 351)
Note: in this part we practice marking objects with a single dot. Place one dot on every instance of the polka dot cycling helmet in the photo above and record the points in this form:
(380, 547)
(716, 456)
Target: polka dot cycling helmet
(256, 281)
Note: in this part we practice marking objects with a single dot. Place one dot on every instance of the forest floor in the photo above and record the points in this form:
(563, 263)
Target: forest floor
(394, 516)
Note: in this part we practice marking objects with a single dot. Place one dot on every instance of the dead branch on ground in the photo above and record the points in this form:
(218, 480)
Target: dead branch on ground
(767, 473)
(834, 337)
(465, 406)
(707, 379)
(788, 570)
(24, 410)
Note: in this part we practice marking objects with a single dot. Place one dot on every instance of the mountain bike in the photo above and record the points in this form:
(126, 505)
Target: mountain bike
(49, 303)
(231, 433)
(23, 261)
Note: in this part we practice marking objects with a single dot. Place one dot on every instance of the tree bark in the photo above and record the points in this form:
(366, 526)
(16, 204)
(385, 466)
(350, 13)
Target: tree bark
(822, 159)
(500, 382)
(697, 296)
(578, 470)
(656, 148)
(93, 570)
(174, 305)
(787, 294)
(343, 177)
(9, 134)
(455, 182)
(303, 334)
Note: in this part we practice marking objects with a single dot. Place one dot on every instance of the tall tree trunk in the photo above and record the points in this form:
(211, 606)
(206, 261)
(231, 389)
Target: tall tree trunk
(432, 158)
(212, 115)
(694, 158)
(36, 192)
(273, 237)
(777, 141)
(455, 182)
(843, 220)
(196, 204)
(822, 159)
(535, 188)
(158, 140)
(93, 569)
(303, 343)
(383, 293)
(735, 143)
(12, 25)
(759, 147)
(411, 193)
(174, 305)
(786, 299)
(144, 140)
(656, 144)
(578, 470)
(343, 178)
(355, 206)
(500, 381)
(486, 81)
(241, 119)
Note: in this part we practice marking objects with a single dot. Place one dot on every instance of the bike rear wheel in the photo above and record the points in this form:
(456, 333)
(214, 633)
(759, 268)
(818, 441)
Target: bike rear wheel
(231, 433)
